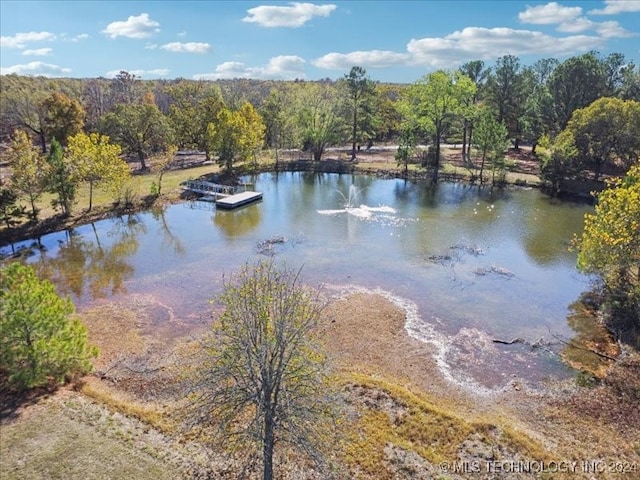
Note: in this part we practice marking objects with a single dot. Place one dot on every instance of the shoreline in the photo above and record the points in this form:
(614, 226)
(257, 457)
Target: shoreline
(58, 222)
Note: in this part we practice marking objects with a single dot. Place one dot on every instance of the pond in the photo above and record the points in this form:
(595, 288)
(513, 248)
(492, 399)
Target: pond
(469, 265)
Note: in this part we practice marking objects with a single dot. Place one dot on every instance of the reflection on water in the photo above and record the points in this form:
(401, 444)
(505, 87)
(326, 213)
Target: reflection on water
(444, 248)
(90, 263)
(237, 222)
(168, 237)
(593, 347)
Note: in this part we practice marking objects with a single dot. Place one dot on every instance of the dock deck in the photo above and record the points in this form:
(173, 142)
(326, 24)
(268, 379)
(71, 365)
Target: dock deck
(239, 199)
(224, 196)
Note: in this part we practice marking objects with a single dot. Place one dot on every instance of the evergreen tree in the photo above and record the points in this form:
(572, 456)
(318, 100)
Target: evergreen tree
(61, 182)
(40, 340)
(10, 213)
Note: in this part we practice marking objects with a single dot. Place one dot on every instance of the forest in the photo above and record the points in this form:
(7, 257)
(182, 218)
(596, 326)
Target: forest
(485, 108)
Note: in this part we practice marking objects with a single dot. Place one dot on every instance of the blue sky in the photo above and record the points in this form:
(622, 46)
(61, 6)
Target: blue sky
(395, 41)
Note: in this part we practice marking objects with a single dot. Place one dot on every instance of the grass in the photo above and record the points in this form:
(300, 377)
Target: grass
(50, 442)
(391, 432)
(151, 414)
(138, 187)
(392, 415)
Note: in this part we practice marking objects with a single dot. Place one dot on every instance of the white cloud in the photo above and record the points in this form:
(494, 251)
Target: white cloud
(38, 52)
(295, 15)
(576, 25)
(570, 19)
(134, 27)
(225, 70)
(77, 38)
(189, 47)
(283, 67)
(608, 29)
(36, 69)
(82, 36)
(550, 13)
(155, 73)
(473, 43)
(612, 29)
(491, 43)
(20, 40)
(368, 59)
(614, 7)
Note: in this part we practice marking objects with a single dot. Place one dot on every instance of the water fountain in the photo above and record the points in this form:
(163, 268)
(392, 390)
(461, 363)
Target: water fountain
(351, 199)
(352, 208)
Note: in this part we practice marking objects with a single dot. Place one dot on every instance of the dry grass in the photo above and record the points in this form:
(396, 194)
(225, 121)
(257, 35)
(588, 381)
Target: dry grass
(391, 417)
(154, 414)
(115, 338)
(58, 439)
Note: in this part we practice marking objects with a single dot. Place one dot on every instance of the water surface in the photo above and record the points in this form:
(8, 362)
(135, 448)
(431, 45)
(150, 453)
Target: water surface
(470, 265)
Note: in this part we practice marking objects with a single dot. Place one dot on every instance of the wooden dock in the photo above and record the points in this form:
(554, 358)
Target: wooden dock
(208, 188)
(238, 199)
(224, 196)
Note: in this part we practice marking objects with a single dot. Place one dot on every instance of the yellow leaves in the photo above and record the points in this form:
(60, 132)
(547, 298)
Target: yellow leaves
(96, 159)
(236, 134)
(611, 237)
(27, 164)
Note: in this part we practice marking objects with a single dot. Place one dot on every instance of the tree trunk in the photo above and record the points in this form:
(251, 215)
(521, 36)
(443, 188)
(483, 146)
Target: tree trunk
(90, 195)
(43, 141)
(34, 210)
(436, 161)
(597, 170)
(464, 141)
(484, 157)
(354, 132)
(143, 165)
(267, 448)
(160, 182)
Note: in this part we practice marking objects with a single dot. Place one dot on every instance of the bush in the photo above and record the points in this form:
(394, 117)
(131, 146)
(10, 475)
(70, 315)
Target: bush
(40, 341)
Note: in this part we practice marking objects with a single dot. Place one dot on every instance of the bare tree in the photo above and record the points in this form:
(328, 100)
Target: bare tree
(263, 383)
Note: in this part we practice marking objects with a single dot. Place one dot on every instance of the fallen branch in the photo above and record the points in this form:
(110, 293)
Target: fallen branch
(571, 344)
(510, 342)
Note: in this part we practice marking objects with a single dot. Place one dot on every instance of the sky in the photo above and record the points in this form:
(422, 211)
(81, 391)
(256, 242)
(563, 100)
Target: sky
(394, 41)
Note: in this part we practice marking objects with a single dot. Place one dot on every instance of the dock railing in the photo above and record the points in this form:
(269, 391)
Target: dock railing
(208, 188)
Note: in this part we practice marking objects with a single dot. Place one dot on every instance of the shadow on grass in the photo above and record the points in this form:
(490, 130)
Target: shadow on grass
(11, 400)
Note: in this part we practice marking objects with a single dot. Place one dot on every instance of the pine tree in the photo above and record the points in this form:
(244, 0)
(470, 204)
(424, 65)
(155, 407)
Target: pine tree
(61, 181)
(40, 339)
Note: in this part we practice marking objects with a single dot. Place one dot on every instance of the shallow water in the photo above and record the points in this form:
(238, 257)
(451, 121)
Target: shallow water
(468, 264)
